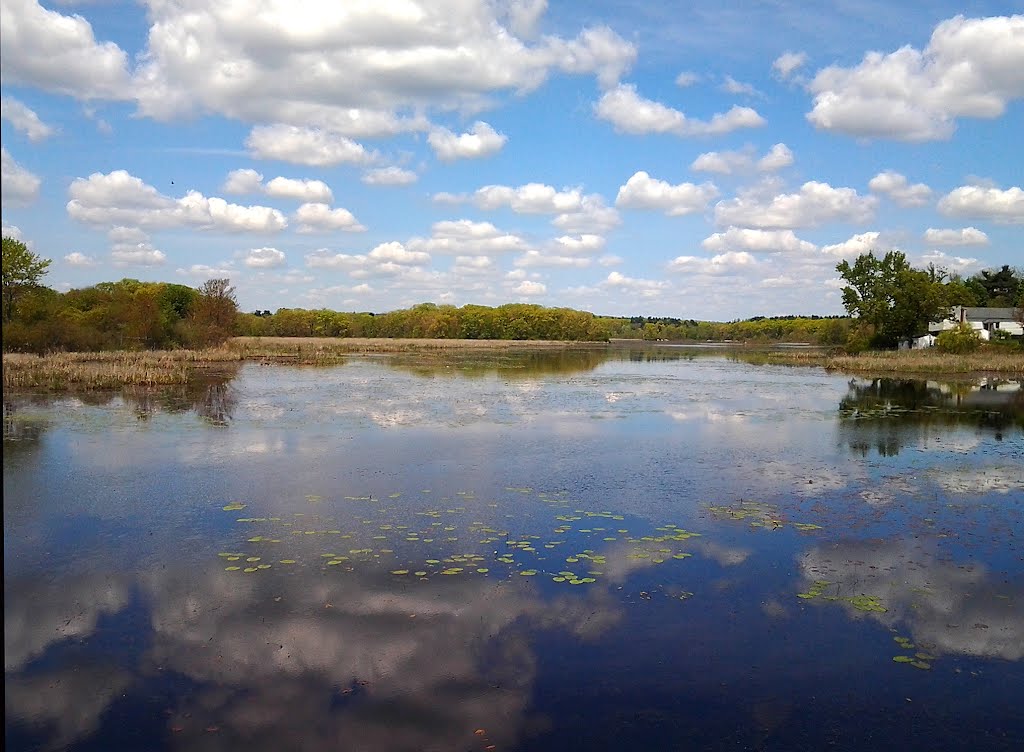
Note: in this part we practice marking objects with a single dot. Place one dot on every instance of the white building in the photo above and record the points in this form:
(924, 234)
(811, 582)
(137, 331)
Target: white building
(984, 320)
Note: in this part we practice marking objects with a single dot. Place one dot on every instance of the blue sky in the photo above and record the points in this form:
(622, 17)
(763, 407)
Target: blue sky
(704, 159)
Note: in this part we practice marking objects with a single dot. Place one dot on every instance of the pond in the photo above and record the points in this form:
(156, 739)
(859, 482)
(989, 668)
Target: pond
(650, 550)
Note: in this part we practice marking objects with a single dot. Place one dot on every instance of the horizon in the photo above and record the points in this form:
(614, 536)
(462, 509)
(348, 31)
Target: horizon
(711, 163)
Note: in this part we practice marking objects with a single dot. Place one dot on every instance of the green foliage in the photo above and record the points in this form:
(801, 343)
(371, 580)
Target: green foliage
(22, 271)
(894, 299)
(958, 340)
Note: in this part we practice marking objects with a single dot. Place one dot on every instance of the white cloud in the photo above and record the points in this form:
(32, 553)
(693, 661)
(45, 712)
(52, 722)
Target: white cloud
(313, 191)
(305, 146)
(628, 112)
(243, 182)
(610, 259)
(389, 176)
(481, 141)
(319, 217)
(593, 217)
(584, 244)
(264, 258)
(205, 271)
(464, 237)
(731, 262)
(12, 231)
(730, 162)
(647, 288)
(532, 198)
(24, 119)
(58, 53)
(396, 253)
(855, 246)
(687, 78)
(80, 259)
(528, 288)
(119, 198)
(642, 191)
(536, 258)
(306, 63)
(757, 241)
(815, 204)
(972, 67)
(473, 264)
(963, 236)
(960, 264)
(732, 86)
(778, 156)
(139, 254)
(17, 185)
(986, 203)
(788, 63)
(896, 186)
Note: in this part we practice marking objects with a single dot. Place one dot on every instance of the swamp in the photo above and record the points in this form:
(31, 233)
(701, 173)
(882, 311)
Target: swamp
(650, 548)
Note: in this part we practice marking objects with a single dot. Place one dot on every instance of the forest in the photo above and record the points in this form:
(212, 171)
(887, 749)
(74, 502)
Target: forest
(133, 315)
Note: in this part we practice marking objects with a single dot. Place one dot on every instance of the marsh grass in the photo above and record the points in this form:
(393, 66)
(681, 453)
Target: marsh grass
(904, 361)
(310, 348)
(108, 370)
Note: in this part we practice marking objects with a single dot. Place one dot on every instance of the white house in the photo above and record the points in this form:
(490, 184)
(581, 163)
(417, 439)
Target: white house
(984, 320)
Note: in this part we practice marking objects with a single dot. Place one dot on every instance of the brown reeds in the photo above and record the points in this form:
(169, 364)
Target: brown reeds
(911, 362)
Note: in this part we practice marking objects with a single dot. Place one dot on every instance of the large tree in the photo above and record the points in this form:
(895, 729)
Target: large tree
(894, 299)
(22, 271)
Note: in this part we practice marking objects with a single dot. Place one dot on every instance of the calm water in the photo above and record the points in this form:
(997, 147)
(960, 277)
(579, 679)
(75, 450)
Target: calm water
(648, 551)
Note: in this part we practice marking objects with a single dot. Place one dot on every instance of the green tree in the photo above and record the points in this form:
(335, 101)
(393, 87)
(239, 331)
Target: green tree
(22, 271)
(895, 300)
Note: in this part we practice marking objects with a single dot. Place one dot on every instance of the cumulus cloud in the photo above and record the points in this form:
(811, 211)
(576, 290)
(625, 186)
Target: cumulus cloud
(79, 259)
(786, 64)
(532, 198)
(389, 176)
(118, 198)
(464, 237)
(536, 258)
(58, 53)
(959, 264)
(963, 236)
(264, 258)
(630, 113)
(396, 253)
(137, 254)
(481, 141)
(250, 181)
(732, 86)
(687, 78)
(647, 288)
(898, 188)
(18, 186)
(529, 288)
(642, 191)
(24, 119)
(972, 67)
(724, 264)
(303, 63)
(854, 246)
(730, 162)
(319, 217)
(814, 204)
(306, 146)
(593, 216)
(583, 244)
(976, 201)
(757, 241)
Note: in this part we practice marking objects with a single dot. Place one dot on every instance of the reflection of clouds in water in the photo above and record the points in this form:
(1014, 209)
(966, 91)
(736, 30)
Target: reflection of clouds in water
(955, 608)
(39, 615)
(805, 479)
(68, 701)
(707, 415)
(727, 556)
(411, 665)
(980, 480)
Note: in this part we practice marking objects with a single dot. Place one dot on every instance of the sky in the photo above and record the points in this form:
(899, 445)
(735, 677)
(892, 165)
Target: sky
(703, 159)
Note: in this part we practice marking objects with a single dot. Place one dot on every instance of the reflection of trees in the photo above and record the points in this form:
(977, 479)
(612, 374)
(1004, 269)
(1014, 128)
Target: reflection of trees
(508, 365)
(20, 427)
(952, 608)
(885, 414)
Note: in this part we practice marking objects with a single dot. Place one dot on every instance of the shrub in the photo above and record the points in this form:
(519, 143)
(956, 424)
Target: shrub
(958, 340)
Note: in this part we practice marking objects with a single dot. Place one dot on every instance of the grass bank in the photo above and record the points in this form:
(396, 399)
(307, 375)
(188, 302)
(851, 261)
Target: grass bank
(910, 362)
(109, 370)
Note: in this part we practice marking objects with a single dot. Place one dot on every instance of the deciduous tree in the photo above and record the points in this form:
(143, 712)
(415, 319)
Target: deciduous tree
(22, 271)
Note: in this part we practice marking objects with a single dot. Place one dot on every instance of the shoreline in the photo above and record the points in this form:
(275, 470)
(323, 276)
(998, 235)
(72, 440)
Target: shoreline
(109, 370)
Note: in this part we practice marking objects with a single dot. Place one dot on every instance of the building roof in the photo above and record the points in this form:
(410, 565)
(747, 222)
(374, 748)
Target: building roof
(988, 314)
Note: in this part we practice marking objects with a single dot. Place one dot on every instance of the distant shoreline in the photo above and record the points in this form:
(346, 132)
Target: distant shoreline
(110, 370)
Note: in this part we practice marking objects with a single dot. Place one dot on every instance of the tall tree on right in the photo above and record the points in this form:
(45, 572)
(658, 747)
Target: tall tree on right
(890, 297)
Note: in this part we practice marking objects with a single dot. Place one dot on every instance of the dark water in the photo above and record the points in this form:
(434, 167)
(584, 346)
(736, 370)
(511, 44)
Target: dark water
(574, 552)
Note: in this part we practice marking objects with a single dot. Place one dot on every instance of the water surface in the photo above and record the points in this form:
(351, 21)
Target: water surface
(650, 550)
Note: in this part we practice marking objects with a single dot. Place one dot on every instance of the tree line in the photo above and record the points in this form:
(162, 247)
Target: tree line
(886, 298)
